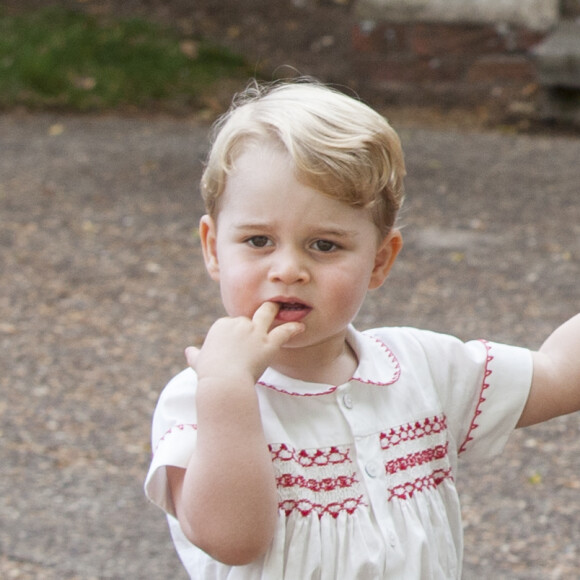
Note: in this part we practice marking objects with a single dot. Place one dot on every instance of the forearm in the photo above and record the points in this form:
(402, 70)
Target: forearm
(555, 387)
(228, 502)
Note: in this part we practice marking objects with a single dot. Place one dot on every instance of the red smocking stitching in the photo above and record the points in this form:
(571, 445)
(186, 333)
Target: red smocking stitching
(407, 490)
(333, 488)
(485, 385)
(310, 458)
(305, 507)
(416, 459)
(326, 484)
(412, 431)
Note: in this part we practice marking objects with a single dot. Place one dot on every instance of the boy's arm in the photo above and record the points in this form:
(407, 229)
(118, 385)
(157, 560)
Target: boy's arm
(226, 499)
(555, 386)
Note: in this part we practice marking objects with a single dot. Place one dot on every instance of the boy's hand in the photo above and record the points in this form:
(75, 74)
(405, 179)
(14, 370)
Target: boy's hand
(231, 514)
(240, 347)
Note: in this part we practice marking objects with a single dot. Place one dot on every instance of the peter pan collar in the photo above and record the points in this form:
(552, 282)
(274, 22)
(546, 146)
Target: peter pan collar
(377, 366)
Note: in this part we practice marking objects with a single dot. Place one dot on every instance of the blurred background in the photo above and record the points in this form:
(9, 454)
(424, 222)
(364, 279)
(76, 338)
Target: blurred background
(504, 61)
(105, 108)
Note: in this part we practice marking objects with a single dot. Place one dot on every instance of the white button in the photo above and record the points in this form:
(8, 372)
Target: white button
(392, 540)
(372, 469)
(347, 400)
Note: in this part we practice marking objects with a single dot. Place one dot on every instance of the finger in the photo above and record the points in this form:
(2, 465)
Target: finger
(280, 335)
(265, 314)
(191, 354)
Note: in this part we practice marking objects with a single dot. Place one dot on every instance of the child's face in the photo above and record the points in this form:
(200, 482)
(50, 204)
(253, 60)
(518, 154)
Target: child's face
(279, 240)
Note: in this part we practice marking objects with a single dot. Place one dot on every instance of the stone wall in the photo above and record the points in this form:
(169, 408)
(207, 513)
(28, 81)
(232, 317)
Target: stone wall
(453, 51)
(531, 14)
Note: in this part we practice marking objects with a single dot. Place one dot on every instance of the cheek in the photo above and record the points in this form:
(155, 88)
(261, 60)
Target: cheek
(239, 290)
(349, 291)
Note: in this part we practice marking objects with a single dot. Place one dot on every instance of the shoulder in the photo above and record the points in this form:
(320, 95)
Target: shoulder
(184, 380)
(179, 392)
(176, 404)
(412, 341)
(409, 335)
(445, 354)
(182, 385)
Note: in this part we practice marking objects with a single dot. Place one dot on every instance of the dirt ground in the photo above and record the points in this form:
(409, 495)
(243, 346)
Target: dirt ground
(103, 286)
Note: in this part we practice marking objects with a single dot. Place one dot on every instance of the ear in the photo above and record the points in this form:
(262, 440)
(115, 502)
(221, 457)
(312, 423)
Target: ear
(386, 255)
(208, 236)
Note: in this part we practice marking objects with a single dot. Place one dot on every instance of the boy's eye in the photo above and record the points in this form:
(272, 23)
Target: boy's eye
(324, 246)
(258, 241)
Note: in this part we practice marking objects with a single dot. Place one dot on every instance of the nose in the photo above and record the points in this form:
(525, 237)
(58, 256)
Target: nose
(288, 267)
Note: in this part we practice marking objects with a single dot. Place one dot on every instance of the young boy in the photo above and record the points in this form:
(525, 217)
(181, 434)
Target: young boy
(297, 447)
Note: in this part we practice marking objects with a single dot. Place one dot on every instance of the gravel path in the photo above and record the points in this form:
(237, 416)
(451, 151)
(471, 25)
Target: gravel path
(103, 286)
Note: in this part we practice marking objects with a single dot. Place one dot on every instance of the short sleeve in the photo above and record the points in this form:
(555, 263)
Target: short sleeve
(499, 402)
(174, 434)
(483, 387)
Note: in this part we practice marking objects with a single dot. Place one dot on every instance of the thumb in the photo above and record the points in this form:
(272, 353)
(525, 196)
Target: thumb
(191, 354)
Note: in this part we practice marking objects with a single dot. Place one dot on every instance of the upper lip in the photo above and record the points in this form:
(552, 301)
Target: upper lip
(289, 300)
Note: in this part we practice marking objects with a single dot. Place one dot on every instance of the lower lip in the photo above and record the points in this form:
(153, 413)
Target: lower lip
(292, 314)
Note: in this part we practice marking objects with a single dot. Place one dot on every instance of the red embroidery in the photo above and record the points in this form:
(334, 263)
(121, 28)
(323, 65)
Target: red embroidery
(305, 507)
(410, 432)
(392, 357)
(485, 385)
(181, 427)
(431, 481)
(416, 459)
(309, 458)
(328, 391)
(326, 484)
(316, 481)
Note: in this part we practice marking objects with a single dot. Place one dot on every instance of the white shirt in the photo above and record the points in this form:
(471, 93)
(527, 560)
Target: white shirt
(365, 470)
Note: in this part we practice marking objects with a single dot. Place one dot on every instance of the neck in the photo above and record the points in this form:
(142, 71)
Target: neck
(331, 364)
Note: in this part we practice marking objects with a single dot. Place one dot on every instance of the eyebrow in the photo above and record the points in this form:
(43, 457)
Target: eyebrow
(339, 233)
(322, 230)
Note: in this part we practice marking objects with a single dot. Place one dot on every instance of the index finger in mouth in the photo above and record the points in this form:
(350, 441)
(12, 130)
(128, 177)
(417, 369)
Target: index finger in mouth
(266, 313)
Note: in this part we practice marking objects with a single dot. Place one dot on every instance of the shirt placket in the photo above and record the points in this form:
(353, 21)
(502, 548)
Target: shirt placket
(368, 457)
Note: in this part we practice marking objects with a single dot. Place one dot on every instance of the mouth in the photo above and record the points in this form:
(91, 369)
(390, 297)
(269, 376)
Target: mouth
(291, 310)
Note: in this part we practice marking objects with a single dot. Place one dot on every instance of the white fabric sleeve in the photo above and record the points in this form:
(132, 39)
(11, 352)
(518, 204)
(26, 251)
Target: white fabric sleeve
(173, 438)
(502, 396)
(483, 387)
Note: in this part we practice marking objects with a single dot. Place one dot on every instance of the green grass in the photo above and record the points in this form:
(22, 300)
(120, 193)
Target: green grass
(53, 58)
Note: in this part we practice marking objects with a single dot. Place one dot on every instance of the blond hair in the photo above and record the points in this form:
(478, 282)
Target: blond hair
(339, 146)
